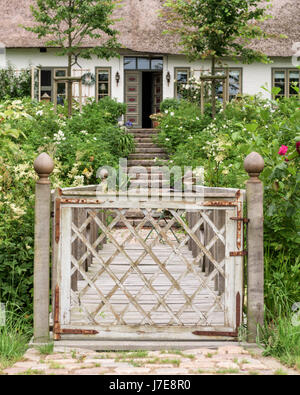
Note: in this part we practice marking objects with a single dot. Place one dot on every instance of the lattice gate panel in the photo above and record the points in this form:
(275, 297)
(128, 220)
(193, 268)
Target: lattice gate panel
(163, 273)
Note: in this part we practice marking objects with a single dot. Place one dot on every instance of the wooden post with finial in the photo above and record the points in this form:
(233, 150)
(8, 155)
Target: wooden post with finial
(44, 166)
(254, 165)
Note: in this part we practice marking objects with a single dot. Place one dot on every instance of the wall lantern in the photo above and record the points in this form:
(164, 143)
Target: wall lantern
(117, 78)
(168, 78)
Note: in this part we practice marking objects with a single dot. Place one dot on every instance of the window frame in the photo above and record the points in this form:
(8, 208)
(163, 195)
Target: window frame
(286, 71)
(149, 58)
(53, 70)
(176, 70)
(97, 69)
(240, 69)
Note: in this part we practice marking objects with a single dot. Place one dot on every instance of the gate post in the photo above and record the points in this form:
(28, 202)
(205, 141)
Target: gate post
(254, 165)
(44, 166)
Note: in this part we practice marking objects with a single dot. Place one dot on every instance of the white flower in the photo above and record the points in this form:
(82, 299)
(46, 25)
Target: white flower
(190, 137)
(40, 112)
(172, 114)
(167, 139)
(95, 138)
(83, 132)
(166, 111)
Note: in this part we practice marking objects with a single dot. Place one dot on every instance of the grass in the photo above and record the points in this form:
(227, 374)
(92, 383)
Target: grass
(14, 338)
(282, 340)
(46, 349)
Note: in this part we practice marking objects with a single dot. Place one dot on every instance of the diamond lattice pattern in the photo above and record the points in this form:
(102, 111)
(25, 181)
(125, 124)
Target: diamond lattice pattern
(145, 274)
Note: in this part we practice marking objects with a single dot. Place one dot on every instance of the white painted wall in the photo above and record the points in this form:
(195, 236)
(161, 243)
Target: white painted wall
(254, 76)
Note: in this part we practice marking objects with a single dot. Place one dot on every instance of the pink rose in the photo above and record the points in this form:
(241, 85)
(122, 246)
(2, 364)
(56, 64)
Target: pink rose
(282, 150)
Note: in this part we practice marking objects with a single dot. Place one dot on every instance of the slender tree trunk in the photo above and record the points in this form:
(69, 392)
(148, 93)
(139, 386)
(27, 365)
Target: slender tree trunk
(69, 86)
(70, 63)
(213, 88)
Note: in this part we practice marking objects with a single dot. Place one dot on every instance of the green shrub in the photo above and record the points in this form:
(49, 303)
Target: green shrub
(14, 84)
(169, 103)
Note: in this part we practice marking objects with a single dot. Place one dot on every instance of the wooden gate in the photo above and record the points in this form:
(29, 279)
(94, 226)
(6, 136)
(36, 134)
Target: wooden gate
(176, 274)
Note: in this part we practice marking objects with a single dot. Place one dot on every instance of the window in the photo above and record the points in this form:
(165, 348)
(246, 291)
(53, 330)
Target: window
(61, 86)
(47, 83)
(234, 84)
(284, 79)
(103, 81)
(182, 76)
(142, 63)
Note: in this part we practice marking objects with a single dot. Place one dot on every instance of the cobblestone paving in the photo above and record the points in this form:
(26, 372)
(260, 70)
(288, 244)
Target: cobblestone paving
(224, 360)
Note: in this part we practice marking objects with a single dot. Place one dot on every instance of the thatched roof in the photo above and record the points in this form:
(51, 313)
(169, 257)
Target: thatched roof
(141, 28)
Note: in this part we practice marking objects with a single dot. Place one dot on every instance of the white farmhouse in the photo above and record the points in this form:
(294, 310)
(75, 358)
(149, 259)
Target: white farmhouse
(150, 65)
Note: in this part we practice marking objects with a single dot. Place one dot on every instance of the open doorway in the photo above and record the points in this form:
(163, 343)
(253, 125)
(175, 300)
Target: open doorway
(151, 96)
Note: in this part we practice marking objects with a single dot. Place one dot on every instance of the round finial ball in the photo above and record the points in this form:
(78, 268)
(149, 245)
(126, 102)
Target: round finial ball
(254, 164)
(43, 164)
(103, 174)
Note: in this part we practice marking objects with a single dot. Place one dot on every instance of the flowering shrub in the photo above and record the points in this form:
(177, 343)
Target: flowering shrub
(79, 146)
(14, 84)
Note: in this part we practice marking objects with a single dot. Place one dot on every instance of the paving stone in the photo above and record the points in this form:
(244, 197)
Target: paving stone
(32, 355)
(199, 351)
(132, 370)
(227, 365)
(67, 361)
(158, 366)
(30, 365)
(55, 357)
(113, 364)
(232, 350)
(171, 371)
(254, 366)
(90, 371)
(13, 371)
(205, 365)
(188, 365)
(56, 372)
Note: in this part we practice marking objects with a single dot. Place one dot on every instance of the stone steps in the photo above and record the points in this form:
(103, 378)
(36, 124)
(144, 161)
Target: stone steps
(147, 155)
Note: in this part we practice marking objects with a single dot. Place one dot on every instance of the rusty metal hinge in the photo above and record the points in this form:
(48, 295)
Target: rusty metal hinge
(244, 220)
(57, 331)
(238, 253)
(78, 331)
(57, 219)
(56, 326)
(237, 318)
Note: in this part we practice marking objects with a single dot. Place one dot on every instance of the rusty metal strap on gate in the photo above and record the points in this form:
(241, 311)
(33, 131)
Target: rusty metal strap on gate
(230, 334)
(57, 219)
(57, 330)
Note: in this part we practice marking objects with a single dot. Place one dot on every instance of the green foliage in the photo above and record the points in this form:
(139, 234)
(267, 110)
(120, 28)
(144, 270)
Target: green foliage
(169, 103)
(211, 27)
(70, 22)
(14, 336)
(79, 146)
(14, 84)
(281, 339)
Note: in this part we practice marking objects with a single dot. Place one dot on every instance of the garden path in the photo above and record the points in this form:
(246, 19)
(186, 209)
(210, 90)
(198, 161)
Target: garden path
(224, 360)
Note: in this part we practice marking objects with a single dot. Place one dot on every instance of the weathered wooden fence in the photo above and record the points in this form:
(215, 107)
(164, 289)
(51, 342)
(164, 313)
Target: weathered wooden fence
(184, 282)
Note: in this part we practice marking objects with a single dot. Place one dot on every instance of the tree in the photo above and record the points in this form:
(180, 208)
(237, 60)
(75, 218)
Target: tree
(66, 24)
(216, 29)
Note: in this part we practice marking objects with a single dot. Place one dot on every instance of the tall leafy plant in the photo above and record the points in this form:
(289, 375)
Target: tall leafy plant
(215, 29)
(67, 24)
